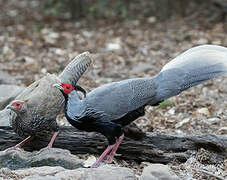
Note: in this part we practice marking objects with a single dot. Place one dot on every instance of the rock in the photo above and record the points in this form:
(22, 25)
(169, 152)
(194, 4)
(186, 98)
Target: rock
(181, 123)
(171, 111)
(26, 59)
(5, 78)
(211, 121)
(201, 41)
(6, 173)
(49, 36)
(204, 111)
(113, 46)
(15, 159)
(158, 172)
(38, 173)
(87, 34)
(8, 52)
(223, 130)
(59, 51)
(136, 22)
(59, 173)
(104, 172)
(56, 164)
(151, 19)
(91, 160)
(8, 93)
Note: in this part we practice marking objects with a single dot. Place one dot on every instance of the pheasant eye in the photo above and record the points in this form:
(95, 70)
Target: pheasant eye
(67, 87)
(18, 104)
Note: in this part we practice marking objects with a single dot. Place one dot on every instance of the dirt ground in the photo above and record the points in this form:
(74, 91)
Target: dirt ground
(32, 45)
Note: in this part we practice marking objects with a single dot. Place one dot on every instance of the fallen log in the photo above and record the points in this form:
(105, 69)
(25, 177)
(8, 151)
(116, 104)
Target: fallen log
(153, 147)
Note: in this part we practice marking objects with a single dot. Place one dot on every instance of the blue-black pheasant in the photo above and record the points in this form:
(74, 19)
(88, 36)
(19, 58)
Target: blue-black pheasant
(107, 109)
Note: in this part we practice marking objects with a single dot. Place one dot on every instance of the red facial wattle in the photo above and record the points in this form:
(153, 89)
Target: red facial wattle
(67, 88)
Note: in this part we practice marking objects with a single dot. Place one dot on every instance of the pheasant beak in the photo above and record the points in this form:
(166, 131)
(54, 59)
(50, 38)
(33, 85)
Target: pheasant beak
(58, 86)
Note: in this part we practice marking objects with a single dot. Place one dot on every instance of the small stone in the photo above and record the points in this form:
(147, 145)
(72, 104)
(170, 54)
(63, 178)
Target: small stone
(5, 49)
(50, 36)
(211, 121)
(2, 38)
(87, 34)
(44, 70)
(45, 31)
(77, 24)
(179, 132)
(12, 13)
(26, 59)
(217, 42)
(223, 130)
(53, 35)
(59, 51)
(171, 111)
(181, 123)
(113, 46)
(145, 163)
(151, 19)
(204, 111)
(29, 59)
(8, 52)
(91, 160)
(202, 41)
(35, 3)
(158, 172)
(136, 22)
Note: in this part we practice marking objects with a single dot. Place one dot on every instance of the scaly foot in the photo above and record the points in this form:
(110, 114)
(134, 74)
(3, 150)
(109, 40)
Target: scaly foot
(108, 149)
(113, 152)
(19, 145)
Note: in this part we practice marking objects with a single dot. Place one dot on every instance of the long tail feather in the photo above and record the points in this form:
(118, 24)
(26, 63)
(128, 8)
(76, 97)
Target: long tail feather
(74, 70)
(191, 68)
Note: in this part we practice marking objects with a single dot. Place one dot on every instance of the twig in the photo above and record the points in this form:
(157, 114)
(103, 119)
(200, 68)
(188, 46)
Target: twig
(210, 174)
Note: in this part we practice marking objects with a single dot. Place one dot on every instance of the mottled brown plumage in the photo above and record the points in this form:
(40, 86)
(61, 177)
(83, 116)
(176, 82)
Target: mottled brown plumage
(40, 103)
(40, 108)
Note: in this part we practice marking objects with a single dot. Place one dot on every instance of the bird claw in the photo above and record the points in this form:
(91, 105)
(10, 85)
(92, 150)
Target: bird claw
(109, 161)
(43, 149)
(14, 148)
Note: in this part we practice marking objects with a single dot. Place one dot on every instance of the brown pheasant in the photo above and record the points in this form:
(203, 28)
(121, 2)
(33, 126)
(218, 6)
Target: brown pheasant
(36, 108)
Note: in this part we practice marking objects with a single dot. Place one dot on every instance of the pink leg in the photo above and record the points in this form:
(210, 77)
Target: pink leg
(52, 139)
(110, 158)
(108, 149)
(51, 142)
(19, 145)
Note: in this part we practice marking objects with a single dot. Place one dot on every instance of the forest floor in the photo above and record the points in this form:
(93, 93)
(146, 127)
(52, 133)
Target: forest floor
(32, 45)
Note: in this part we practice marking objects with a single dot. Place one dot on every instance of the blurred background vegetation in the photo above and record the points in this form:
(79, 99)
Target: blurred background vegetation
(130, 9)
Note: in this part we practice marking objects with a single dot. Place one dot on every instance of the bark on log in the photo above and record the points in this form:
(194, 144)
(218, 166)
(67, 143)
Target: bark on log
(153, 147)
